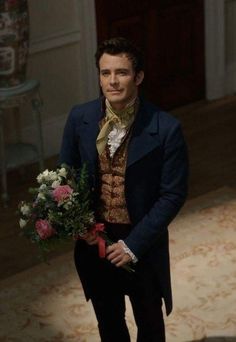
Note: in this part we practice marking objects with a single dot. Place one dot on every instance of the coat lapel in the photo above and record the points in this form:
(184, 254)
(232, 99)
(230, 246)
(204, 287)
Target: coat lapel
(145, 134)
(89, 132)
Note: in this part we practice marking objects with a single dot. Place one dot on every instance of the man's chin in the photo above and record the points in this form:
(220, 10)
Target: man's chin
(116, 103)
(115, 99)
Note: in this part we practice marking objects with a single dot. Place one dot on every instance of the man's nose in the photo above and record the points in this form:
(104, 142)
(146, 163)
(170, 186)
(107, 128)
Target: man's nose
(113, 79)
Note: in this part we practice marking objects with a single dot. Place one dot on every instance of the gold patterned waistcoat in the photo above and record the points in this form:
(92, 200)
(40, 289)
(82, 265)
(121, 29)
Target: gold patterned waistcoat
(112, 202)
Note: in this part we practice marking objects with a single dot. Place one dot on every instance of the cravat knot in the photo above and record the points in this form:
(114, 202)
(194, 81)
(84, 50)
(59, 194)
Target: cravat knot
(123, 118)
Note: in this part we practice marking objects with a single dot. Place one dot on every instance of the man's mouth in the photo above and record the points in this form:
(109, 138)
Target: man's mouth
(115, 91)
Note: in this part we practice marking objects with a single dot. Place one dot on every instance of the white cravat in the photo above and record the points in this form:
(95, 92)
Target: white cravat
(115, 138)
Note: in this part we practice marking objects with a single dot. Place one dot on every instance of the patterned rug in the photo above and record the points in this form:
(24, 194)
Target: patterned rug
(46, 303)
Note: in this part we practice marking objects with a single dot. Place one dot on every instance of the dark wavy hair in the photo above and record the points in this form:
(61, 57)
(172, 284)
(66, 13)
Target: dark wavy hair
(117, 45)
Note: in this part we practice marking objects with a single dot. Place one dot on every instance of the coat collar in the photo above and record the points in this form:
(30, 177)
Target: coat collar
(144, 135)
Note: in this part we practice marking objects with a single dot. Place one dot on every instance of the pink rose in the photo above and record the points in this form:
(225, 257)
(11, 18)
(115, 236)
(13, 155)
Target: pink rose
(62, 192)
(44, 229)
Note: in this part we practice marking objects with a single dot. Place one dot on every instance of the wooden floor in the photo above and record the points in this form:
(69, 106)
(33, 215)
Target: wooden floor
(212, 161)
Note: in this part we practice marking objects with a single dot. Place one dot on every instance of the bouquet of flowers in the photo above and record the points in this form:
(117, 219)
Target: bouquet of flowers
(60, 209)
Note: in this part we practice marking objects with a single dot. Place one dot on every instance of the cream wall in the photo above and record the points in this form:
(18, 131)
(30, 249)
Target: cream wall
(62, 45)
(220, 48)
(230, 45)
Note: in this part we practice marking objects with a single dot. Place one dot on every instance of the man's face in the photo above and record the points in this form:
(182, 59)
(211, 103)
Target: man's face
(118, 80)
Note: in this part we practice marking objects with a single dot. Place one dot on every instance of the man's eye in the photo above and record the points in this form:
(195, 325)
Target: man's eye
(122, 73)
(105, 73)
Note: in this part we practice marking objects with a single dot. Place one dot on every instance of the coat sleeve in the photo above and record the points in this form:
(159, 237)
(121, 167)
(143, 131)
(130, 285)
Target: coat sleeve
(171, 197)
(69, 153)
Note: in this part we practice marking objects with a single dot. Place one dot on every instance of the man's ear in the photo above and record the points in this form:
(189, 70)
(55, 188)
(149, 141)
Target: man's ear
(139, 78)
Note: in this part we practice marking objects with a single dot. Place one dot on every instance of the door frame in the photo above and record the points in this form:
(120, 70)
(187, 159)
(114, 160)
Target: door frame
(215, 69)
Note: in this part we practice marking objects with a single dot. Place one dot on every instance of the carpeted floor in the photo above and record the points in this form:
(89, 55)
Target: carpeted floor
(46, 303)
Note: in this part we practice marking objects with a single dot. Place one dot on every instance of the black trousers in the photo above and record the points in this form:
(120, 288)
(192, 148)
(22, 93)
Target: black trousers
(109, 307)
(108, 287)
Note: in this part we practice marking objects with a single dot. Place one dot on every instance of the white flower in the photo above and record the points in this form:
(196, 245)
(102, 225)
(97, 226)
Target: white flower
(25, 209)
(40, 178)
(22, 223)
(56, 183)
(62, 172)
(42, 187)
(52, 175)
(67, 205)
(45, 173)
(47, 176)
(40, 196)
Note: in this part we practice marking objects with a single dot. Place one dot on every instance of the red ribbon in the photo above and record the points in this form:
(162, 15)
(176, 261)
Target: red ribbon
(99, 227)
(96, 228)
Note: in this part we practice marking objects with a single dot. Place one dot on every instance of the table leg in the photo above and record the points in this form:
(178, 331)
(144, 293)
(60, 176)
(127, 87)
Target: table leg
(17, 123)
(37, 106)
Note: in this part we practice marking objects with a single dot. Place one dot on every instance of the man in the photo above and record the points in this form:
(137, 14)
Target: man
(137, 163)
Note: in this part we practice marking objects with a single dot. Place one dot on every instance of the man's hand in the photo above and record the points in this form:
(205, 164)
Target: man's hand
(90, 238)
(116, 255)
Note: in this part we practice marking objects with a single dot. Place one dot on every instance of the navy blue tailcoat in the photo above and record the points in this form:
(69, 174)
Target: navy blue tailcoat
(155, 179)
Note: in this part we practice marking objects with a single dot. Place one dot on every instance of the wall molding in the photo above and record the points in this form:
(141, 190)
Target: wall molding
(84, 34)
(56, 40)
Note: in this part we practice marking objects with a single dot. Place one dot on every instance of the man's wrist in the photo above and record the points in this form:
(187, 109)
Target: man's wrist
(128, 251)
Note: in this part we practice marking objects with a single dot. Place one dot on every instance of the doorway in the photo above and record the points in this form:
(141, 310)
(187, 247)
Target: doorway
(171, 34)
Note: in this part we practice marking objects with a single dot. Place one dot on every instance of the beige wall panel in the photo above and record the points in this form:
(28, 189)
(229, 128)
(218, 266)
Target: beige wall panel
(230, 46)
(230, 30)
(49, 17)
(61, 87)
(59, 73)
(62, 44)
